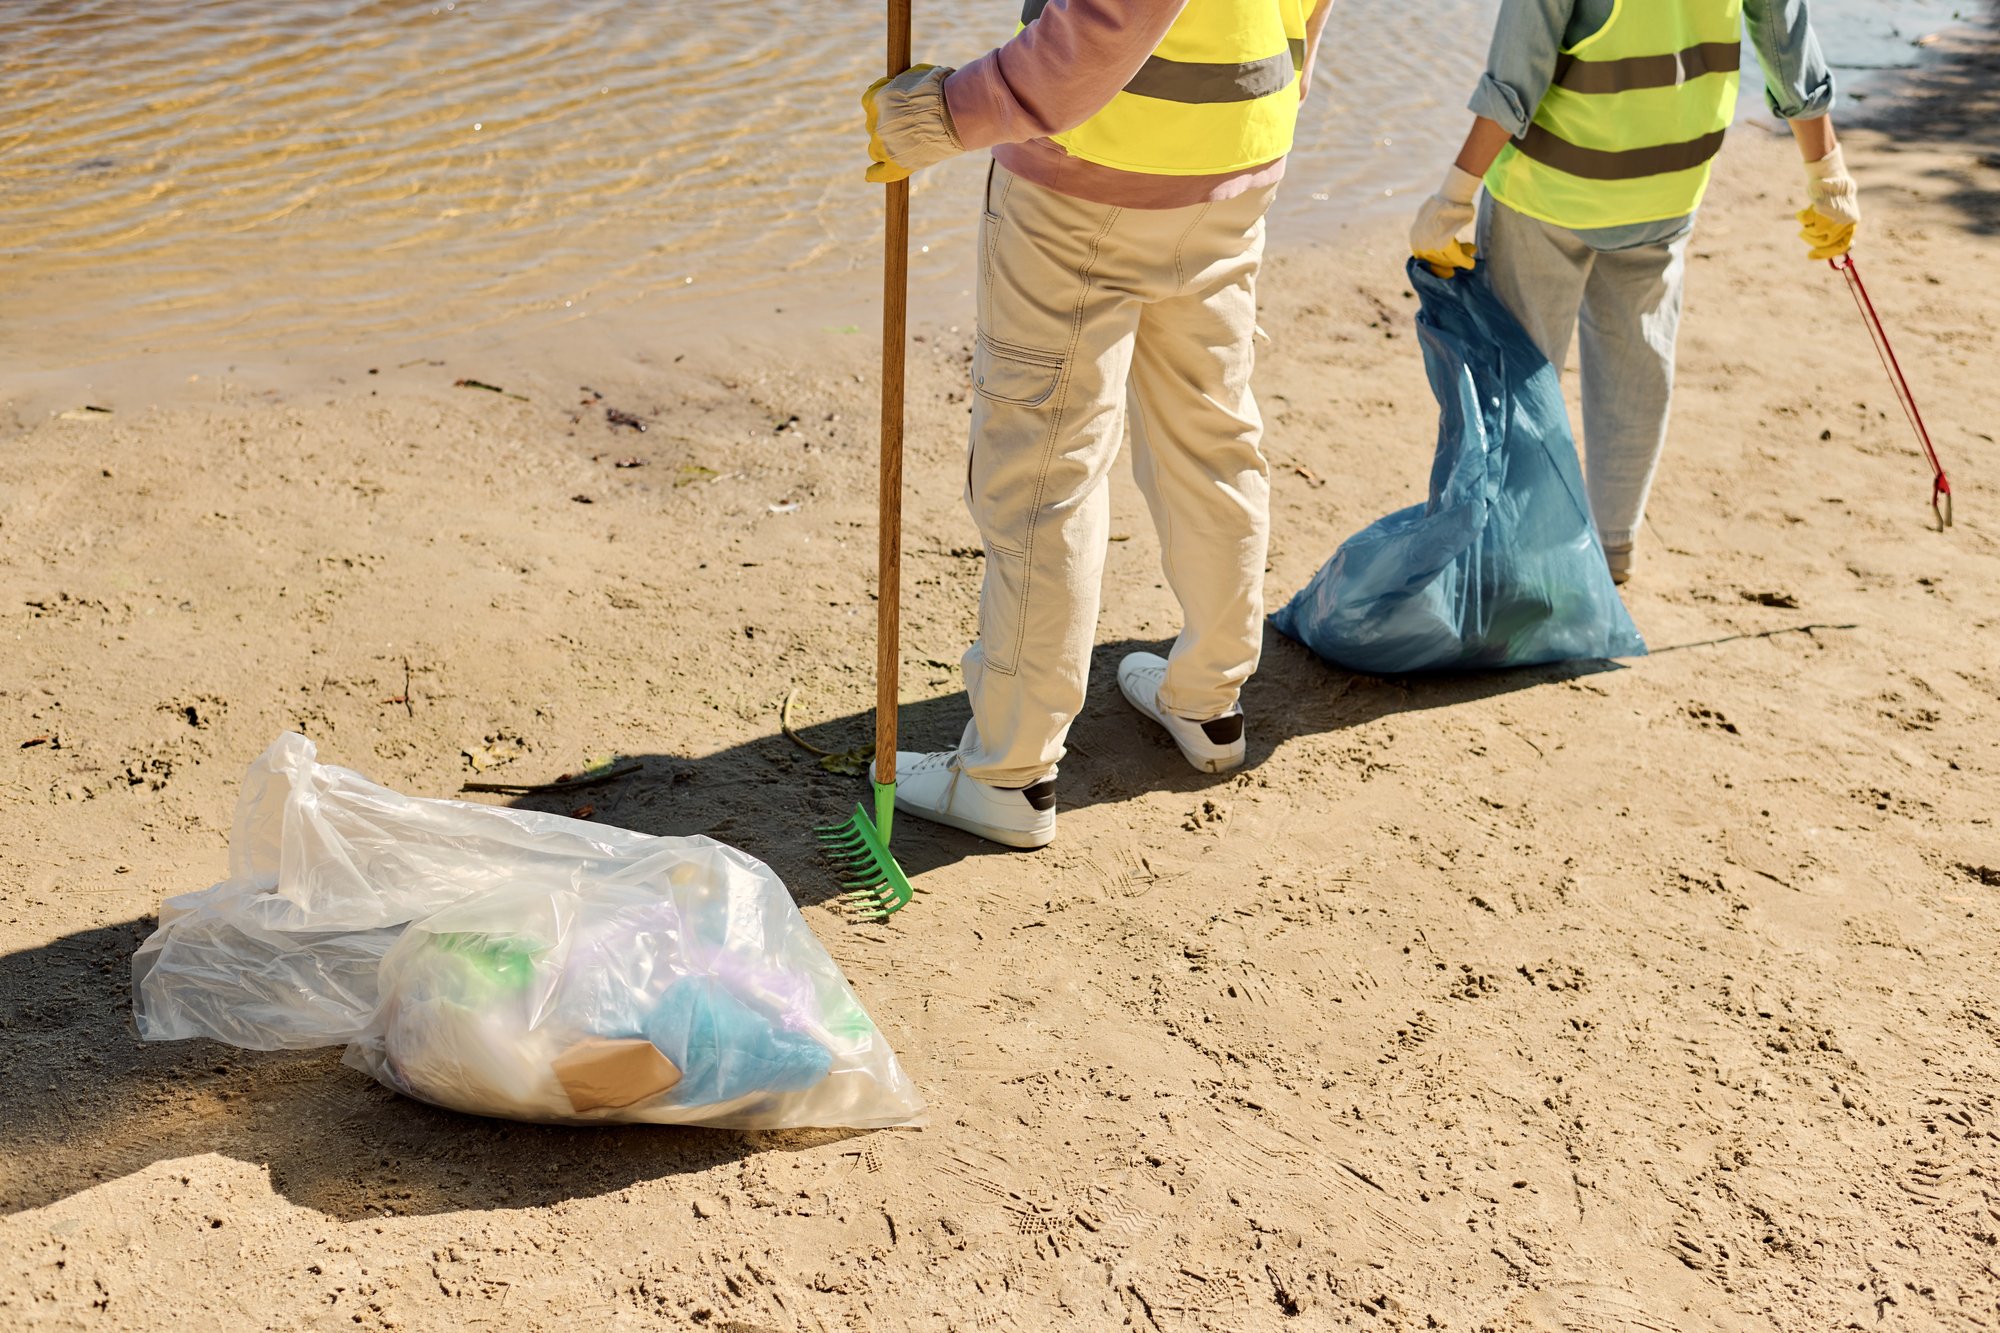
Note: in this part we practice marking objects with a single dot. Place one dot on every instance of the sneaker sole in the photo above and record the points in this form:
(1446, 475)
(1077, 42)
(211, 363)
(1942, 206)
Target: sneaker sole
(1021, 840)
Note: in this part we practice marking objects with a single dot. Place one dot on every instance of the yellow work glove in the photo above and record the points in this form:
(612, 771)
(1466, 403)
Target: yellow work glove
(1824, 238)
(909, 125)
(1827, 222)
(1434, 236)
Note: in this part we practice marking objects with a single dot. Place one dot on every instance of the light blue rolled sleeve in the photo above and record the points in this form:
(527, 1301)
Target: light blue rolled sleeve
(1521, 64)
(1797, 83)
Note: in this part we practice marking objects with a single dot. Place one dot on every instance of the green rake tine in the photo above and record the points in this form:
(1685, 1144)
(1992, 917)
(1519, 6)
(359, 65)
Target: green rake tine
(874, 885)
(875, 901)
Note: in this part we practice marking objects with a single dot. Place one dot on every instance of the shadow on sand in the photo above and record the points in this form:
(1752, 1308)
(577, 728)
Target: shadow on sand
(768, 795)
(84, 1101)
(1954, 101)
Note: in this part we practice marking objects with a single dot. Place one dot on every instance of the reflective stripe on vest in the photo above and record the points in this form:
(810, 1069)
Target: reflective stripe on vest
(1220, 94)
(1670, 71)
(1629, 130)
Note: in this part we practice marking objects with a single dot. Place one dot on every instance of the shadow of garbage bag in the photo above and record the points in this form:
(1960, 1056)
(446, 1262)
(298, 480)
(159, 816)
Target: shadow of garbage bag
(83, 1101)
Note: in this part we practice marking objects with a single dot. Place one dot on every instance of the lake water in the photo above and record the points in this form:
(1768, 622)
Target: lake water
(230, 177)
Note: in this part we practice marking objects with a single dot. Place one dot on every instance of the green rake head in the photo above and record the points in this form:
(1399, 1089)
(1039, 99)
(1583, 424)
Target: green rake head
(859, 849)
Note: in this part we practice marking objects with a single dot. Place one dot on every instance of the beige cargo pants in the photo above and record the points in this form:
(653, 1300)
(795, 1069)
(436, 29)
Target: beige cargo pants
(1090, 316)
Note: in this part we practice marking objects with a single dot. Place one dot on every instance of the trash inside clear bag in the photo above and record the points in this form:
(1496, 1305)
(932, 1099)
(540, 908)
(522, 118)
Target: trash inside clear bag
(512, 963)
(1501, 566)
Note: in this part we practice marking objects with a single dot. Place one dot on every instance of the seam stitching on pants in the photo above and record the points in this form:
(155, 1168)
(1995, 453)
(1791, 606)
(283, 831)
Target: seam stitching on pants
(1180, 248)
(993, 216)
(1022, 352)
(1164, 524)
(1088, 274)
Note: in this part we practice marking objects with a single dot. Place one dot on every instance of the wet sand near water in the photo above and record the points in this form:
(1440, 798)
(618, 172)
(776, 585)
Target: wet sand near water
(190, 187)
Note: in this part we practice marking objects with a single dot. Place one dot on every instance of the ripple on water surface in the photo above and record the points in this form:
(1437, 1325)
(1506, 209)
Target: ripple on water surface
(286, 173)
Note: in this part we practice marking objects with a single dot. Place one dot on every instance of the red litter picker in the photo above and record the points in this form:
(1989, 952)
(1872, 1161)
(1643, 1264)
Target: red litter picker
(1940, 483)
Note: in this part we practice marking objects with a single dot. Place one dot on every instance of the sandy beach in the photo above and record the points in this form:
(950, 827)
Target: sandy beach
(1655, 996)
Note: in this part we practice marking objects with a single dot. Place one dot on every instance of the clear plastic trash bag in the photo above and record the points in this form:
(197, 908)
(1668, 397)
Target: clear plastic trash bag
(512, 963)
(1501, 566)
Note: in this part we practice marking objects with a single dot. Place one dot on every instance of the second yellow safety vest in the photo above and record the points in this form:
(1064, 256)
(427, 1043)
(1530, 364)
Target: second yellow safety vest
(1630, 128)
(1220, 94)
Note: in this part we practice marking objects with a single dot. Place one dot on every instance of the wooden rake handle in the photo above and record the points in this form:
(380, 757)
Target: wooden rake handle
(895, 329)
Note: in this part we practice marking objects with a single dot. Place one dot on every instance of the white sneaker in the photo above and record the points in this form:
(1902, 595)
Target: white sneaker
(930, 786)
(1215, 746)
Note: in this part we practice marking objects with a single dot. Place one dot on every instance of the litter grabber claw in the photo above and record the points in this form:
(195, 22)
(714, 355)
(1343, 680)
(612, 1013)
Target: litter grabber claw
(1940, 483)
(875, 885)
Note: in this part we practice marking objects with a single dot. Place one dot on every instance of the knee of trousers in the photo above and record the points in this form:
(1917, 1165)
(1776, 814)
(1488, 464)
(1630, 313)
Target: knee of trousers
(1033, 469)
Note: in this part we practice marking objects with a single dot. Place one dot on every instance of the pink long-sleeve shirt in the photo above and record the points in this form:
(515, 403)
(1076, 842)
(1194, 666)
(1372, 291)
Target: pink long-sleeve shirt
(1061, 70)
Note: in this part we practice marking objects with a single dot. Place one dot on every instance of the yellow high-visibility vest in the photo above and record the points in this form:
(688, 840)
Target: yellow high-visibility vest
(1220, 94)
(1630, 128)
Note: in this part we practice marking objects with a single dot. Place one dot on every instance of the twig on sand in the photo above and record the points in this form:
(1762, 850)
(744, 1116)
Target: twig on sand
(785, 725)
(848, 762)
(595, 778)
(490, 388)
(404, 697)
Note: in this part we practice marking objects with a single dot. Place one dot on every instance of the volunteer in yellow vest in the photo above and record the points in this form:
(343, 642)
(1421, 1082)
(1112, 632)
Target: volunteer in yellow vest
(1597, 124)
(1136, 147)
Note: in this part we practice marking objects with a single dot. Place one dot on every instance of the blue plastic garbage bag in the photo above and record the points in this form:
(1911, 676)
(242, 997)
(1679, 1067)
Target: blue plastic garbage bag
(1501, 566)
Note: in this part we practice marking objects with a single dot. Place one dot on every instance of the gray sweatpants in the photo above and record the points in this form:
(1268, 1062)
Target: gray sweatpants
(1629, 305)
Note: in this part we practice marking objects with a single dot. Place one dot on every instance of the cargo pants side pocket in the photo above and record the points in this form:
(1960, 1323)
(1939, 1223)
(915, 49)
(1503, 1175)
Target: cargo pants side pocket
(1019, 382)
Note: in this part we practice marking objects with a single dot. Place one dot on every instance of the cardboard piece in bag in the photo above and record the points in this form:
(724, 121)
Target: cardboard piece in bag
(604, 1073)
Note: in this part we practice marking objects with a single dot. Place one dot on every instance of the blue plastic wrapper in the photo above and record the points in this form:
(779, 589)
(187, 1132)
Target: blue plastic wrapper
(727, 1048)
(1501, 567)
